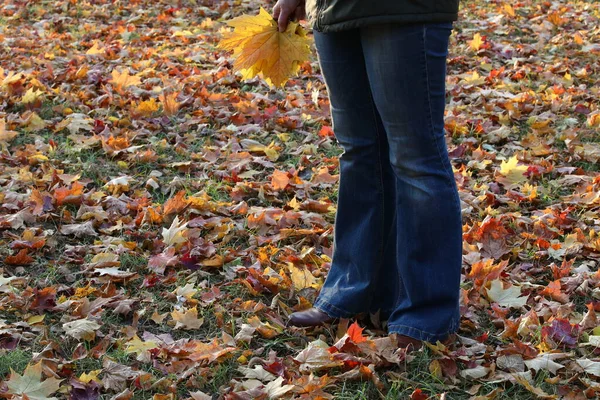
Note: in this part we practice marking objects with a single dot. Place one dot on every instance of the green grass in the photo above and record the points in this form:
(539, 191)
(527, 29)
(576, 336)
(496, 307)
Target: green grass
(16, 359)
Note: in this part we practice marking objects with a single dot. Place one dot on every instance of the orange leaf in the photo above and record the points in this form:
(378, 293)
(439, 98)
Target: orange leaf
(355, 333)
(279, 180)
(21, 258)
(69, 196)
(553, 290)
(175, 204)
(169, 103)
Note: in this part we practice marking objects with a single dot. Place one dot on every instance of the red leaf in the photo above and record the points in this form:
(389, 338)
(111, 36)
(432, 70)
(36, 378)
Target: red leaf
(561, 333)
(418, 395)
(355, 333)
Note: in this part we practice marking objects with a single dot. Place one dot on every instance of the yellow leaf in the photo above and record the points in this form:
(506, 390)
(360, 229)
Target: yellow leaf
(259, 47)
(476, 43)
(35, 319)
(137, 346)
(121, 80)
(31, 95)
(509, 10)
(95, 50)
(512, 171)
(302, 277)
(33, 123)
(92, 376)
(147, 108)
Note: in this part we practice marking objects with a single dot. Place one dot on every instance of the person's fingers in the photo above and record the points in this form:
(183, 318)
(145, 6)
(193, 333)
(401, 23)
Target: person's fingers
(276, 11)
(282, 21)
(300, 13)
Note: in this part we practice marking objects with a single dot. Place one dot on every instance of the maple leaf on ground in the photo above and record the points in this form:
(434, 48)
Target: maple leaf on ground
(174, 235)
(590, 367)
(139, 347)
(259, 47)
(355, 333)
(30, 383)
(122, 79)
(546, 361)
(513, 173)
(561, 332)
(188, 319)
(476, 43)
(6, 136)
(508, 297)
(21, 258)
(82, 329)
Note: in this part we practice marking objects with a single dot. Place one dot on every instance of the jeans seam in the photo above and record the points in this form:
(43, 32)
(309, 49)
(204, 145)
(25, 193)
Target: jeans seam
(437, 145)
(379, 138)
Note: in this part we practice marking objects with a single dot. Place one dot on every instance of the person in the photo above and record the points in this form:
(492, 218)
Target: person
(398, 230)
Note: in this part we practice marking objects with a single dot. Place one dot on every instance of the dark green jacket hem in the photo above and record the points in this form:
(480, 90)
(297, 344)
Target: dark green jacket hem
(385, 19)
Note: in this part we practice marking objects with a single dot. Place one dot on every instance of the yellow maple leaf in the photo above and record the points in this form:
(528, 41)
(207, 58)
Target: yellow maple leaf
(122, 79)
(139, 347)
(476, 43)
(147, 107)
(509, 10)
(95, 50)
(302, 278)
(259, 47)
(31, 96)
(512, 171)
(91, 376)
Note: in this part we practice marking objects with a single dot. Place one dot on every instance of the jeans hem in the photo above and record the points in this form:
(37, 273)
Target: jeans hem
(331, 310)
(421, 334)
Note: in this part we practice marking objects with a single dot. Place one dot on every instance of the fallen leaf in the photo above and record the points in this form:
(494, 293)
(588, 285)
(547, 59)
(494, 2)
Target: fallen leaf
(30, 384)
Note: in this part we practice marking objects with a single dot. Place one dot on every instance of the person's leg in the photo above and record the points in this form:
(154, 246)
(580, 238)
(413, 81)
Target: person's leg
(366, 191)
(406, 65)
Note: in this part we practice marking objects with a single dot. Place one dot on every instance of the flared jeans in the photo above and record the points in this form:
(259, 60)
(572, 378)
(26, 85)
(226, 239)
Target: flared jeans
(398, 230)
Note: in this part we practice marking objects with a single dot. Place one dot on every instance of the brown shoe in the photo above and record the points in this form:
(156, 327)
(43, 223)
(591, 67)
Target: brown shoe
(310, 317)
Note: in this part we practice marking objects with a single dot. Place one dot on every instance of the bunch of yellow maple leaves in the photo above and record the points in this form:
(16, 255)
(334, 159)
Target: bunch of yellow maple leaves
(259, 47)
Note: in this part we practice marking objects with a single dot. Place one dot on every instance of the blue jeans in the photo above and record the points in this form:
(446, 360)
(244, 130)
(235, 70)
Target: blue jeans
(398, 229)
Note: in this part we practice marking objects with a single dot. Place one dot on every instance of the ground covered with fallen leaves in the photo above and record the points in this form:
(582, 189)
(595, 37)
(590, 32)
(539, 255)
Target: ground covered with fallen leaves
(161, 217)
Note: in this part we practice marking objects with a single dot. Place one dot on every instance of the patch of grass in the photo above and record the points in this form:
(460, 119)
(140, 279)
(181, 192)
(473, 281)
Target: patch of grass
(133, 262)
(217, 190)
(87, 364)
(587, 166)
(16, 359)
(221, 375)
(119, 356)
(357, 390)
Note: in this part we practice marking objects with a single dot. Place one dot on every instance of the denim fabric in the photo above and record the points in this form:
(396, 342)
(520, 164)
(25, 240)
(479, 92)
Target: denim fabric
(398, 230)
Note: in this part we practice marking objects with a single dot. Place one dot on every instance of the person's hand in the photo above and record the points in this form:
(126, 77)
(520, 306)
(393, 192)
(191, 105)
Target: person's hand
(286, 10)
